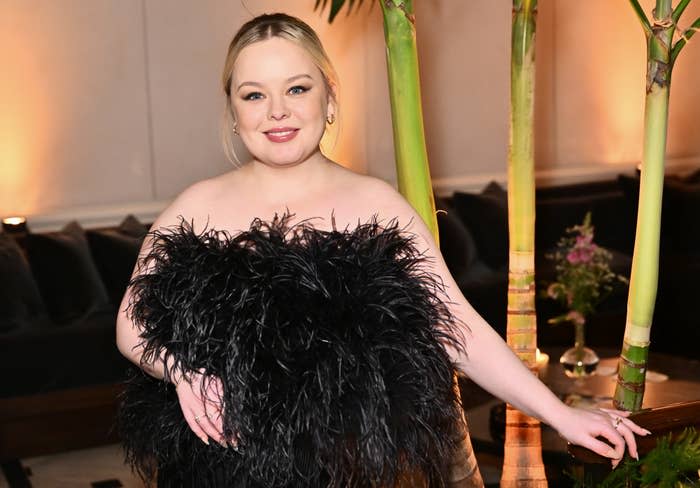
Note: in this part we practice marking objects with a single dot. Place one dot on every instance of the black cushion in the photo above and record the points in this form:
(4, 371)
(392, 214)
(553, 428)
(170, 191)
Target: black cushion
(66, 274)
(486, 215)
(679, 209)
(115, 252)
(457, 244)
(613, 228)
(680, 217)
(20, 300)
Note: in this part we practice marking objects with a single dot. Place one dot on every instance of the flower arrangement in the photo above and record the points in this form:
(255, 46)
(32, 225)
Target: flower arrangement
(583, 275)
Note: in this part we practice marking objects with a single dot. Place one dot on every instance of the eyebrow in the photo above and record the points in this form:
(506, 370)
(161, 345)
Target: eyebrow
(289, 80)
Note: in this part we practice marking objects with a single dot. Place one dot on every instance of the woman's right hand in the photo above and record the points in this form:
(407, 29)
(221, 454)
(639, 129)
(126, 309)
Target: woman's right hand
(200, 400)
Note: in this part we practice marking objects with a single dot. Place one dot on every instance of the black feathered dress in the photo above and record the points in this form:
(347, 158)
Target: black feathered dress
(330, 347)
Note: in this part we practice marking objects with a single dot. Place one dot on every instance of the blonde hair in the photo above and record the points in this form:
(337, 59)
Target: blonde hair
(266, 27)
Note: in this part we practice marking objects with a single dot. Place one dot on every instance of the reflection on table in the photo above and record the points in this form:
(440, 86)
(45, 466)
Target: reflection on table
(670, 380)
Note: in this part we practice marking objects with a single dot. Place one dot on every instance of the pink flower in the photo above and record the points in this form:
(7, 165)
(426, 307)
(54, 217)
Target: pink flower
(574, 256)
(584, 240)
(576, 317)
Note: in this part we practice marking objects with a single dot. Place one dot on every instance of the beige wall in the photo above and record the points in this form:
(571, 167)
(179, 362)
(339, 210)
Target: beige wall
(111, 106)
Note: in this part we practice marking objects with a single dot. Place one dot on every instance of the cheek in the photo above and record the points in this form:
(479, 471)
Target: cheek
(247, 115)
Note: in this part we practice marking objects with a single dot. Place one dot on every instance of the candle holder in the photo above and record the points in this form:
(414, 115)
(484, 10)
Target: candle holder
(14, 225)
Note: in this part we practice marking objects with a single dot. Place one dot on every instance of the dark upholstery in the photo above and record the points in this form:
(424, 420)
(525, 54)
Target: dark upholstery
(59, 293)
(115, 252)
(21, 305)
(66, 274)
(613, 207)
(486, 216)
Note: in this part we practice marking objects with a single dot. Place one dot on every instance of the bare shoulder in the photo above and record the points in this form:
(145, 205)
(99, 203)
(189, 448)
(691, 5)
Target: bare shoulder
(367, 197)
(381, 198)
(195, 201)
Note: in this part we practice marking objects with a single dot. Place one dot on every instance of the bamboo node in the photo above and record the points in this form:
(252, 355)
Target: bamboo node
(634, 387)
(632, 364)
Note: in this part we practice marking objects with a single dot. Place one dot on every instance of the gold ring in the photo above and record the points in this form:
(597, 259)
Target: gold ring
(617, 422)
(197, 417)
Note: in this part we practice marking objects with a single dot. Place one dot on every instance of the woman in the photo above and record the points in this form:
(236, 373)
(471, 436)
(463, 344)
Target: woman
(280, 97)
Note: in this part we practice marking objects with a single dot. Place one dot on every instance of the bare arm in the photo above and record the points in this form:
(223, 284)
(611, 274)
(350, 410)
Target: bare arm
(199, 395)
(488, 360)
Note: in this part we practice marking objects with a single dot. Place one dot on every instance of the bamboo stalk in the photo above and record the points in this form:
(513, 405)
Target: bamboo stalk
(412, 168)
(629, 391)
(406, 110)
(522, 462)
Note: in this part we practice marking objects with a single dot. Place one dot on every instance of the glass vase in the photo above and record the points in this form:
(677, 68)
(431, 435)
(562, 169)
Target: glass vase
(579, 361)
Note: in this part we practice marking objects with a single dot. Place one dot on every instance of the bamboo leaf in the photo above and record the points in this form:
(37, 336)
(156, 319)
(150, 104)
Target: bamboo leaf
(678, 11)
(642, 16)
(685, 37)
(336, 5)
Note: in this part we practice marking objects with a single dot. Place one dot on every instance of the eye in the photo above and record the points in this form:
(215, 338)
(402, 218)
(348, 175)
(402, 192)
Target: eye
(253, 96)
(298, 90)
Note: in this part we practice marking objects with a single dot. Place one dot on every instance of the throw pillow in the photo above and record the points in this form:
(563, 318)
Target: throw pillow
(66, 274)
(680, 215)
(20, 300)
(486, 216)
(115, 251)
(132, 227)
(457, 245)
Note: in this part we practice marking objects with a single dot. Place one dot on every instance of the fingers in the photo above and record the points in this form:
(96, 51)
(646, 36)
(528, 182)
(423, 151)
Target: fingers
(193, 422)
(200, 401)
(615, 413)
(622, 428)
(605, 450)
(210, 422)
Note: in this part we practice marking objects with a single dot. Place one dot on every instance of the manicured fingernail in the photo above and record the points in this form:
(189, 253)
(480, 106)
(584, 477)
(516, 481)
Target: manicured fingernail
(636, 456)
(612, 454)
(205, 440)
(647, 432)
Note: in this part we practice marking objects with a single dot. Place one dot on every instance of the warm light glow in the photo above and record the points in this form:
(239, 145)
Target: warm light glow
(343, 141)
(14, 220)
(541, 362)
(26, 115)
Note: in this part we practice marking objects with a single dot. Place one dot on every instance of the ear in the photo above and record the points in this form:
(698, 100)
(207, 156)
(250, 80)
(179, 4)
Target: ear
(331, 106)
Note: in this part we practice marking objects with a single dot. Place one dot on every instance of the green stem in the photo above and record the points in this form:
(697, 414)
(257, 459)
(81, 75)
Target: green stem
(412, 168)
(629, 392)
(646, 25)
(522, 461)
(687, 34)
(521, 150)
(678, 11)
(580, 338)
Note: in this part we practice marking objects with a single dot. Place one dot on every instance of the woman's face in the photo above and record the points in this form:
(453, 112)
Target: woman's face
(280, 102)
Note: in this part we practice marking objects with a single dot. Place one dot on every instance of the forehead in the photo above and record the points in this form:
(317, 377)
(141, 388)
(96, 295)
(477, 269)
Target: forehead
(272, 59)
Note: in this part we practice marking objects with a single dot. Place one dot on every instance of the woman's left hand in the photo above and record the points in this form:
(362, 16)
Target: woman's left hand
(584, 426)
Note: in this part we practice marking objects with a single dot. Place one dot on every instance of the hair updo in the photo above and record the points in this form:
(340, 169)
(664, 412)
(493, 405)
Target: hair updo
(266, 27)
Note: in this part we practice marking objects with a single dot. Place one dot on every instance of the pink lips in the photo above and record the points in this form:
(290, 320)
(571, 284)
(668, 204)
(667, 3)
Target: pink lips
(281, 134)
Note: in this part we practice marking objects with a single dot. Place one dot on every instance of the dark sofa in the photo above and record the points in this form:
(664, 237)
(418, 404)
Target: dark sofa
(59, 293)
(474, 233)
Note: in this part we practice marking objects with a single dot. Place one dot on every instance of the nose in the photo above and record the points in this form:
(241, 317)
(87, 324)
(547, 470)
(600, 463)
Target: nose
(278, 109)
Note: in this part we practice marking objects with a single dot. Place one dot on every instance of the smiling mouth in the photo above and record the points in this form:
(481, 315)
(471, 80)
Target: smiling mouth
(281, 135)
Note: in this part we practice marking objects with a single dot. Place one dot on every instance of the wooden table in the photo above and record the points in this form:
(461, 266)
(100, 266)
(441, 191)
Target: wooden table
(683, 384)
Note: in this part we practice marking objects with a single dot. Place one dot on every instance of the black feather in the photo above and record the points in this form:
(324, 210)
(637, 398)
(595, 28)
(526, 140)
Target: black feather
(330, 346)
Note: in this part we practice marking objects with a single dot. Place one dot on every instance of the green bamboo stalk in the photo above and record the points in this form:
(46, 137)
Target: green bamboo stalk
(522, 461)
(629, 392)
(412, 169)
